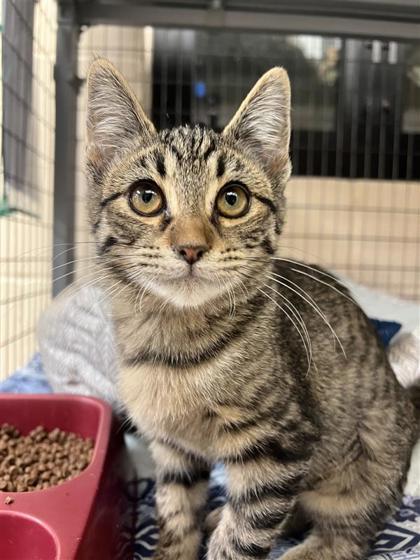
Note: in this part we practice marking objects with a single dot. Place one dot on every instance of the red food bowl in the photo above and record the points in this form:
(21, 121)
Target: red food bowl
(80, 518)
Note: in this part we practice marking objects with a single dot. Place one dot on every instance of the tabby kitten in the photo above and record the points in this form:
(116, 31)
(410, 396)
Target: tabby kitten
(229, 353)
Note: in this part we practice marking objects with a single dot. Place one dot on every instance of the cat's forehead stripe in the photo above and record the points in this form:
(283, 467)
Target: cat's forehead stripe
(160, 163)
(190, 143)
(221, 166)
(209, 150)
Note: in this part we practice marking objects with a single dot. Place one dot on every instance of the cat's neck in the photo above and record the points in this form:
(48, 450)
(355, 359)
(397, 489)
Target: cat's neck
(144, 322)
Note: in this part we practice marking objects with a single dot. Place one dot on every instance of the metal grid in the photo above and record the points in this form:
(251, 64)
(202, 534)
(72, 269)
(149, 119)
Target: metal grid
(356, 103)
(28, 119)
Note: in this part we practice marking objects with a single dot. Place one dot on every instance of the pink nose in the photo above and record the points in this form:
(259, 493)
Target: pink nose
(191, 254)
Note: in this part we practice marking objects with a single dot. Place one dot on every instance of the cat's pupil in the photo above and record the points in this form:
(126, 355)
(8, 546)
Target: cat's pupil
(147, 196)
(231, 198)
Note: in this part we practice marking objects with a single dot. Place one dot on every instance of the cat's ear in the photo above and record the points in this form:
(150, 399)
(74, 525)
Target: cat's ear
(114, 115)
(262, 123)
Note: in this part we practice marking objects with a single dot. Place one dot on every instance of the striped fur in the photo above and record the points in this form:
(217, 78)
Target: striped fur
(215, 359)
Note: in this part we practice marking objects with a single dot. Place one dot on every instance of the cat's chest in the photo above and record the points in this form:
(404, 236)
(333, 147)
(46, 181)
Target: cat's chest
(176, 378)
(163, 403)
(155, 336)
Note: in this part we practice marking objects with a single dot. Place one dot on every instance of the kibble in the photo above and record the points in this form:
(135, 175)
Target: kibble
(41, 459)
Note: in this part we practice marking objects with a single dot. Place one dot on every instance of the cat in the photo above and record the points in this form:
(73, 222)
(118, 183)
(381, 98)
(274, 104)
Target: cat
(229, 352)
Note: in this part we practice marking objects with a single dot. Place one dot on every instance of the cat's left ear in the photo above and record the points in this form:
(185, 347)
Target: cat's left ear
(262, 123)
(114, 115)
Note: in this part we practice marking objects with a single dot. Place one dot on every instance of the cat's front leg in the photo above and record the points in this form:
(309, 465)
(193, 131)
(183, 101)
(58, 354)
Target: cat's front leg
(260, 495)
(181, 493)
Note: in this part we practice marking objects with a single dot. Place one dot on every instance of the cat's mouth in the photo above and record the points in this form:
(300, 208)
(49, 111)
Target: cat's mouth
(190, 287)
(192, 276)
(190, 273)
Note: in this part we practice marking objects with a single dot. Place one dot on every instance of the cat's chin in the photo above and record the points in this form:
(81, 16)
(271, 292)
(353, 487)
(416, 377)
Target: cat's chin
(187, 293)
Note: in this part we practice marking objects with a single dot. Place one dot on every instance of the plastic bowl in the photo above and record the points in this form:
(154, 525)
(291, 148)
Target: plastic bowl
(80, 518)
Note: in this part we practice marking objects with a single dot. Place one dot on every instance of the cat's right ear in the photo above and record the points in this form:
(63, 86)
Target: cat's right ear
(114, 115)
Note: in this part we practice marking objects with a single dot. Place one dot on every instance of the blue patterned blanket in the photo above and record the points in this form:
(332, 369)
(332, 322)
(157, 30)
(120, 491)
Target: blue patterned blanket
(399, 540)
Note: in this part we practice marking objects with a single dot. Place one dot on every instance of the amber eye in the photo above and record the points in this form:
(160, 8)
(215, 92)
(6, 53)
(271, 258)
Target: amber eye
(146, 198)
(233, 200)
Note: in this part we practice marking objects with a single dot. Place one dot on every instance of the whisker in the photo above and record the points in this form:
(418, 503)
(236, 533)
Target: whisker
(63, 276)
(244, 289)
(315, 270)
(62, 253)
(50, 247)
(108, 293)
(139, 299)
(83, 259)
(310, 301)
(349, 298)
(145, 289)
(293, 309)
(230, 287)
(293, 323)
(232, 307)
(307, 342)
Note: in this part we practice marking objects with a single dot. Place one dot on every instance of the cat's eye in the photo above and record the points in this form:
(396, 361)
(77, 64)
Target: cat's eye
(233, 200)
(146, 198)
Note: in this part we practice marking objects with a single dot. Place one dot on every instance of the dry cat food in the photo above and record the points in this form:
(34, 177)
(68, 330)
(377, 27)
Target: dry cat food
(41, 459)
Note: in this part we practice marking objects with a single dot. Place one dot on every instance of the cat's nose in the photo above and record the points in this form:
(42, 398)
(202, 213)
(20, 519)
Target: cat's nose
(191, 253)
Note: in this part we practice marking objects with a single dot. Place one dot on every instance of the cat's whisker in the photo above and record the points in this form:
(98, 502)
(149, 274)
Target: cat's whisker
(97, 282)
(315, 270)
(127, 423)
(147, 284)
(274, 277)
(103, 273)
(143, 293)
(349, 298)
(233, 298)
(244, 289)
(138, 300)
(109, 292)
(310, 301)
(304, 265)
(291, 320)
(293, 309)
(48, 247)
(307, 340)
(63, 252)
(304, 253)
(80, 260)
(231, 295)
(64, 276)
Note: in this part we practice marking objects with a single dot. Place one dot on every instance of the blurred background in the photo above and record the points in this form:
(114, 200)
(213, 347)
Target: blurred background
(354, 199)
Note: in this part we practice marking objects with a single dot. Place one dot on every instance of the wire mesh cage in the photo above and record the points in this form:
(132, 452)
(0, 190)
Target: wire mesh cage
(353, 201)
(26, 184)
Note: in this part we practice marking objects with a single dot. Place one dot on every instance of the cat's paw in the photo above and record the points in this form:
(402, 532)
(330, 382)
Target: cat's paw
(212, 520)
(162, 554)
(303, 552)
(185, 548)
(314, 549)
